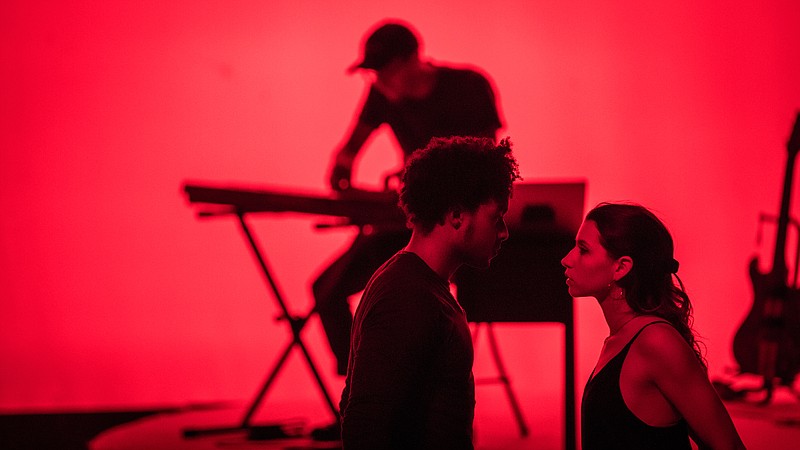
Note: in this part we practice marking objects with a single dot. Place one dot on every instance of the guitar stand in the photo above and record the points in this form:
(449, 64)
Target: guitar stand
(296, 325)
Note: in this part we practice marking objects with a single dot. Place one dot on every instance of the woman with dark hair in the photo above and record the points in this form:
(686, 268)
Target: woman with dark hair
(650, 388)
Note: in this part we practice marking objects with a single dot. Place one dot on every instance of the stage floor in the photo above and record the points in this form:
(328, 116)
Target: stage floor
(165, 431)
(775, 427)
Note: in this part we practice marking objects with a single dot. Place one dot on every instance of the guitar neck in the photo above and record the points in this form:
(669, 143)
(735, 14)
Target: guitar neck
(779, 257)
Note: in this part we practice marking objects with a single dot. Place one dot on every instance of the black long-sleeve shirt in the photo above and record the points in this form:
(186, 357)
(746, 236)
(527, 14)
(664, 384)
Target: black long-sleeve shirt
(409, 380)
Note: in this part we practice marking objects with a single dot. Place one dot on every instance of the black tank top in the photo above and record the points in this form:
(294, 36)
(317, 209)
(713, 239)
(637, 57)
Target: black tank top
(607, 423)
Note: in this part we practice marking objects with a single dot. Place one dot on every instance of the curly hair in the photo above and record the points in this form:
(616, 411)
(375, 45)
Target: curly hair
(628, 229)
(456, 173)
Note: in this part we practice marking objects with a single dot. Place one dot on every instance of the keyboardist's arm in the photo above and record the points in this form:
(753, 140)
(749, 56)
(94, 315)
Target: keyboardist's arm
(341, 172)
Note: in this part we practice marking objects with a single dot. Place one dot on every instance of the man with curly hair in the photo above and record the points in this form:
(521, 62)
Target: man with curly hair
(409, 380)
(417, 100)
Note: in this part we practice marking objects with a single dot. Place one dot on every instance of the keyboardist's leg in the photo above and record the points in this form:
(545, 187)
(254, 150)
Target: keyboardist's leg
(349, 275)
(334, 311)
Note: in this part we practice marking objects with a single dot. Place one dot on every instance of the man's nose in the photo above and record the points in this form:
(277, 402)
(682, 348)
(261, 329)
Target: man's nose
(503, 235)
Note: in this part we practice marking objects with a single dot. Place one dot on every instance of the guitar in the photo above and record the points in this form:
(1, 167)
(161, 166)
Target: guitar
(768, 341)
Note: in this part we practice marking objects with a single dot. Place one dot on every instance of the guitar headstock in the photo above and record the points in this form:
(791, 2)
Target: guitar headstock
(794, 140)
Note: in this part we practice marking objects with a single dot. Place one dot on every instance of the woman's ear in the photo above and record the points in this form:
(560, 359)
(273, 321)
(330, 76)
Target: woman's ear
(455, 217)
(622, 266)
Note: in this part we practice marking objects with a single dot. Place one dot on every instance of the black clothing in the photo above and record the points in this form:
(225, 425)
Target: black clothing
(461, 103)
(409, 382)
(607, 423)
(346, 276)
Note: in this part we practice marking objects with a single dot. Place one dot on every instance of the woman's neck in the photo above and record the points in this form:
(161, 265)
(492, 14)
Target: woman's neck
(617, 313)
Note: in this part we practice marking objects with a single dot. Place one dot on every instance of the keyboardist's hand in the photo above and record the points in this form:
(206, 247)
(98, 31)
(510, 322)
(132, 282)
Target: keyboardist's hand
(342, 169)
(391, 182)
(340, 178)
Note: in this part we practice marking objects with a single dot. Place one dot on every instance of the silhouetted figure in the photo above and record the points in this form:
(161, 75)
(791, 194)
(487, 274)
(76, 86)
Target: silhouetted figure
(649, 389)
(409, 380)
(418, 100)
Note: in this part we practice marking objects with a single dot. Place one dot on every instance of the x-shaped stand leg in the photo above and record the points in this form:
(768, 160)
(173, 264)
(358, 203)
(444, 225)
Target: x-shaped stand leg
(296, 324)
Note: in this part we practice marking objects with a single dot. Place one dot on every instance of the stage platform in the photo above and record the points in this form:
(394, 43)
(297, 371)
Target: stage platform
(772, 427)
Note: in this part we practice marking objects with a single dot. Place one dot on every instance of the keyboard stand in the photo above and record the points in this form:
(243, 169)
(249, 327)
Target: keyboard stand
(295, 325)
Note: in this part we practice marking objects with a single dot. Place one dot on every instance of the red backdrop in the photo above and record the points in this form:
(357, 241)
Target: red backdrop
(115, 295)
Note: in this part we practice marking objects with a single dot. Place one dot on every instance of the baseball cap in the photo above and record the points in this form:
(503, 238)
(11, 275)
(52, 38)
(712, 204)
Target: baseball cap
(389, 41)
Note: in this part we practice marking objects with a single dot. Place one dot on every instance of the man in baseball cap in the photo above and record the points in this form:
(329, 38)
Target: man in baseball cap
(388, 42)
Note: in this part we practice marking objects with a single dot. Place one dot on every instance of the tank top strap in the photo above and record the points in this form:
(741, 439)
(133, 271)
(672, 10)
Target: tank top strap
(628, 345)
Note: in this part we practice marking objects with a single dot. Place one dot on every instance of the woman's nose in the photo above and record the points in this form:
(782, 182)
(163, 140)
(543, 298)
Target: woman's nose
(564, 262)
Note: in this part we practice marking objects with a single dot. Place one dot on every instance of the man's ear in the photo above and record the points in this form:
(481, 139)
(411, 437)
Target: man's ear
(622, 266)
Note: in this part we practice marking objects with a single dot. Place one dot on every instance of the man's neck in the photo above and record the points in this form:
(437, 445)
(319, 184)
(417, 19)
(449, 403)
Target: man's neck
(435, 252)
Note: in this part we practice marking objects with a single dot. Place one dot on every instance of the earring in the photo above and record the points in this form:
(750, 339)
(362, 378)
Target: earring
(617, 293)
